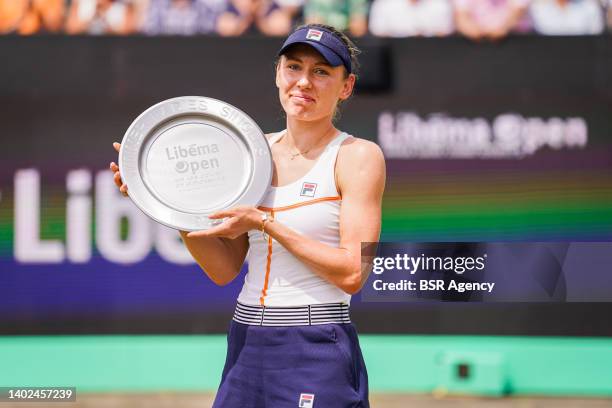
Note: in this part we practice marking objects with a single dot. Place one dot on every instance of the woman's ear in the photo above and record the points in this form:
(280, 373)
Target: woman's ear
(347, 87)
(277, 68)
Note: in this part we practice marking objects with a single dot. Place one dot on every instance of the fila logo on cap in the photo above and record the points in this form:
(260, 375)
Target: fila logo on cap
(306, 401)
(314, 35)
(308, 189)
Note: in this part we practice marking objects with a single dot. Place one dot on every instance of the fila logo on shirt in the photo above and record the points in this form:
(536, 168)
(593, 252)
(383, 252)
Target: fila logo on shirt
(314, 35)
(308, 189)
(306, 400)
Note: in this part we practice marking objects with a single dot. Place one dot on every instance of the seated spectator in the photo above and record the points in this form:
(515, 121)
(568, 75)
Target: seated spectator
(101, 17)
(251, 16)
(294, 9)
(31, 16)
(342, 14)
(277, 18)
(183, 17)
(410, 18)
(567, 17)
(490, 19)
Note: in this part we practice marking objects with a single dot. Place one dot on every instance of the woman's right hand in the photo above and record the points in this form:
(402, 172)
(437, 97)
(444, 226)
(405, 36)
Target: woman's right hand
(117, 176)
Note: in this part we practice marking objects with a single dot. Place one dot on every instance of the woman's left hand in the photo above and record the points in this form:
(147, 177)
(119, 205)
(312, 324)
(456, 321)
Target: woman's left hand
(240, 219)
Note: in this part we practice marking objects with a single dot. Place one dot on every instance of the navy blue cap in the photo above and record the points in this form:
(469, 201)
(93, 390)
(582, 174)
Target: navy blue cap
(329, 46)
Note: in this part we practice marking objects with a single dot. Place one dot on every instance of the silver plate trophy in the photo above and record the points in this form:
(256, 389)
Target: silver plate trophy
(187, 157)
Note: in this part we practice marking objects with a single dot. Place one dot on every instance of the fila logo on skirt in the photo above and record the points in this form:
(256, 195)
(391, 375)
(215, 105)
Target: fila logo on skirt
(306, 401)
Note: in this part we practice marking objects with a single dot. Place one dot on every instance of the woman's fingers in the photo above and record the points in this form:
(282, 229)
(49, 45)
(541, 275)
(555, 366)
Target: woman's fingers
(117, 176)
(217, 231)
(198, 234)
(122, 187)
(117, 179)
(221, 214)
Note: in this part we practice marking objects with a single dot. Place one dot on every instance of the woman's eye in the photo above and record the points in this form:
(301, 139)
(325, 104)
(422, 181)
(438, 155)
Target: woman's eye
(293, 67)
(321, 72)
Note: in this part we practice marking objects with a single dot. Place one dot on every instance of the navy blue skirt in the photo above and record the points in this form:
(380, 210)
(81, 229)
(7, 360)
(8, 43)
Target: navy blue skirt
(298, 366)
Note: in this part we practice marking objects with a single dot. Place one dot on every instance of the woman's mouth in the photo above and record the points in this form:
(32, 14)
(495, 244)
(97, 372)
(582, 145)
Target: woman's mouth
(304, 98)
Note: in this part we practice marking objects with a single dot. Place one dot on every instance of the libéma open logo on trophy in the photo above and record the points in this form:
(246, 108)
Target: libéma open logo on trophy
(193, 157)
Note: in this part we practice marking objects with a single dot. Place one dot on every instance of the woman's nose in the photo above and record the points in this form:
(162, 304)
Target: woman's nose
(304, 81)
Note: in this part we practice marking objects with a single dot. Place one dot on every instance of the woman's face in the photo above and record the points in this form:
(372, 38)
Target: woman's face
(308, 87)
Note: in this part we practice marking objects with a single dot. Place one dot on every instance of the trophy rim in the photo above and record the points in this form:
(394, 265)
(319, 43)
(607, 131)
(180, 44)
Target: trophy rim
(144, 127)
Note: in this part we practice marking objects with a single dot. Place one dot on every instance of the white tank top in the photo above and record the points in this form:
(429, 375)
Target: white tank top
(311, 207)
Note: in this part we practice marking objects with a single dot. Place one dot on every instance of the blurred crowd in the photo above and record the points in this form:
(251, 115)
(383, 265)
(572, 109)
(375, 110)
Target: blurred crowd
(476, 19)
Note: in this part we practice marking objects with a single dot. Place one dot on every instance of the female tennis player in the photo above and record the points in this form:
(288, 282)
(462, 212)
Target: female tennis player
(291, 342)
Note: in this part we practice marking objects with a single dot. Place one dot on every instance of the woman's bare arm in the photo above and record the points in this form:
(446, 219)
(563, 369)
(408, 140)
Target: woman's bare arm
(220, 258)
(361, 177)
